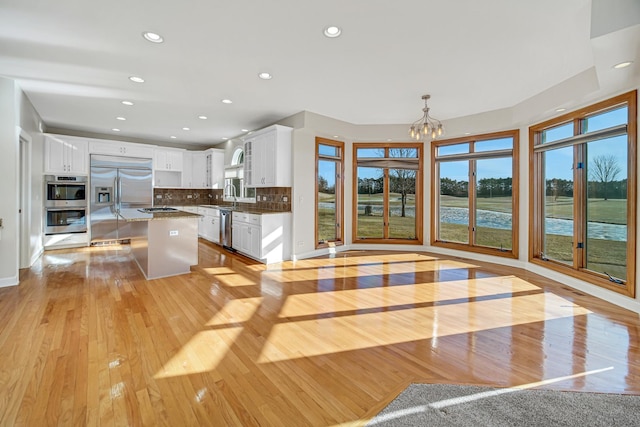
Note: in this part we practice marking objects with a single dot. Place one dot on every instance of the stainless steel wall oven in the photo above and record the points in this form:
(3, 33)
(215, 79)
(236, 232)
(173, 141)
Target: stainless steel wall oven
(65, 220)
(65, 204)
(65, 191)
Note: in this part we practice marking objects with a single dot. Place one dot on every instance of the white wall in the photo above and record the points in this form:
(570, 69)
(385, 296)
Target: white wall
(9, 113)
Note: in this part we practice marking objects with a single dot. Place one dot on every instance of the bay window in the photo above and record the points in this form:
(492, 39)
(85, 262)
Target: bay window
(583, 202)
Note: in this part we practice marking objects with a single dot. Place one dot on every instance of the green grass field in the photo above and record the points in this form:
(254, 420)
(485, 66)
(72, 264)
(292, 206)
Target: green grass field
(598, 210)
(603, 255)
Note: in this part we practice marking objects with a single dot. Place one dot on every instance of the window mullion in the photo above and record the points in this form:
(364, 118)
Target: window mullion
(472, 202)
(579, 207)
(385, 203)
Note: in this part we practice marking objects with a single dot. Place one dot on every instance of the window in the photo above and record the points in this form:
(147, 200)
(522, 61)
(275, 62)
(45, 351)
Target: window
(329, 186)
(234, 188)
(474, 205)
(387, 193)
(583, 202)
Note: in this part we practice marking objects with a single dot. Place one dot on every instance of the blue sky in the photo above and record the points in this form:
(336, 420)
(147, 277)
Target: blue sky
(559, 163)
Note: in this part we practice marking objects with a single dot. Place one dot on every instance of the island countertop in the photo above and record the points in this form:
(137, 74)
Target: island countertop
(243, 209)
(130, 215)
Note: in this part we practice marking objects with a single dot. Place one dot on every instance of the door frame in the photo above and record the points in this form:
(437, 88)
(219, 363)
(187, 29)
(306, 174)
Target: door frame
(24, 201)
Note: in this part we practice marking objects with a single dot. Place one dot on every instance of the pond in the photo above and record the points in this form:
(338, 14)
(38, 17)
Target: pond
(561, 227)
(502, 221)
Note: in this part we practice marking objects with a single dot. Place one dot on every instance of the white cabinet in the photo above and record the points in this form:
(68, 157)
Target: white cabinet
(167, 167)
(118, 148)
(199, 170)
(209, 224)
(187, 169)
(267, 157)
(246, 237)
(165, 159)
(66, 155)
(207, 169)
(215, 161)
(266, 237)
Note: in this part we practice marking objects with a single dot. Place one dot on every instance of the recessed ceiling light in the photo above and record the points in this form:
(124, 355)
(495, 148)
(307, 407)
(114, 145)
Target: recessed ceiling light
(202, 117)
(172, 137)
(467, 133)
(153, 37)
(224, 139)
(185, 128)
(136, 79)
(332, 31)
(244, 130)
(120, 118)
(265, 76)
(227, 101)
(127, 102)
(623, 65)
(115, 130)
(560, 110)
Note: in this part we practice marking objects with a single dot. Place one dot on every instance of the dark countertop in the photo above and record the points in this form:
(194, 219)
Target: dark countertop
(253, 211)
(135, 215)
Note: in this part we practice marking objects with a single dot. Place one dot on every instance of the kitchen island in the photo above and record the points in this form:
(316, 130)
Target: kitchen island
(165, 243)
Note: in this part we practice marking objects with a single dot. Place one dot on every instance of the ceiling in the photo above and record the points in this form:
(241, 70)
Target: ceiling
(73, 59)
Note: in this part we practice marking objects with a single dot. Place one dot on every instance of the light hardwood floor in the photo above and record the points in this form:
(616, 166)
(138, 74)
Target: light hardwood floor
(85, 340)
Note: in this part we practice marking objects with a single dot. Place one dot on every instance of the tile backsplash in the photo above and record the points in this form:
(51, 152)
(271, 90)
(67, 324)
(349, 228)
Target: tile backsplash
(277, 199)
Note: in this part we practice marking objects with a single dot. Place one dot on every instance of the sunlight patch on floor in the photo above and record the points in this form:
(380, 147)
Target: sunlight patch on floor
(236, 311)
(355, 260)
(202, 353)
(365, 270)
(235, 280)
(316, 337)
(359, 299)
(218, 270)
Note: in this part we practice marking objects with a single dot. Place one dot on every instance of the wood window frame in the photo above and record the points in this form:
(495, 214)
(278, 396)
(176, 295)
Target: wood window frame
(418, 193)
(536, 188)
(515, 182)
(339, 193)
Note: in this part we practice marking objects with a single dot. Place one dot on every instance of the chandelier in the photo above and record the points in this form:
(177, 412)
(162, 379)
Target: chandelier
(426, 125)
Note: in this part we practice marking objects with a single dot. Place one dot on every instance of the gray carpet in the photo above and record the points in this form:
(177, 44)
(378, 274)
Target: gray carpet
(454, 405)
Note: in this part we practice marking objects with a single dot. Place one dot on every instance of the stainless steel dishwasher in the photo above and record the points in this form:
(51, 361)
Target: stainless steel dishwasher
(225, 228)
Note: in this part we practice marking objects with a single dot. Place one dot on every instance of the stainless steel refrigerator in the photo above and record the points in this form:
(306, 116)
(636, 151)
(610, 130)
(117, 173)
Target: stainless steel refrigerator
(117, 183)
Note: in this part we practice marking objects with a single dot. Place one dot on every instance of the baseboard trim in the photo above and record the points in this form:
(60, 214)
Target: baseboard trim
(35, 256)
(8, 281)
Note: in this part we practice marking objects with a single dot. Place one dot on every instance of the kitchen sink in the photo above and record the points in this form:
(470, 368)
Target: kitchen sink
(152, 210)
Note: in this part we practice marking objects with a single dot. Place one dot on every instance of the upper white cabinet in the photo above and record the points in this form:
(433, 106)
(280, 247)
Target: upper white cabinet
(267, 157)
(66, 155)
(167, 167)
(199, 170)
(167, 159)
(187, 169)
(215, 160)
(118, 148)
(207, 169)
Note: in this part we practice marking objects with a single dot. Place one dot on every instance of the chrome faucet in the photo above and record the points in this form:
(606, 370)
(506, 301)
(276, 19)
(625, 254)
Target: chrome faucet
(232, 193)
